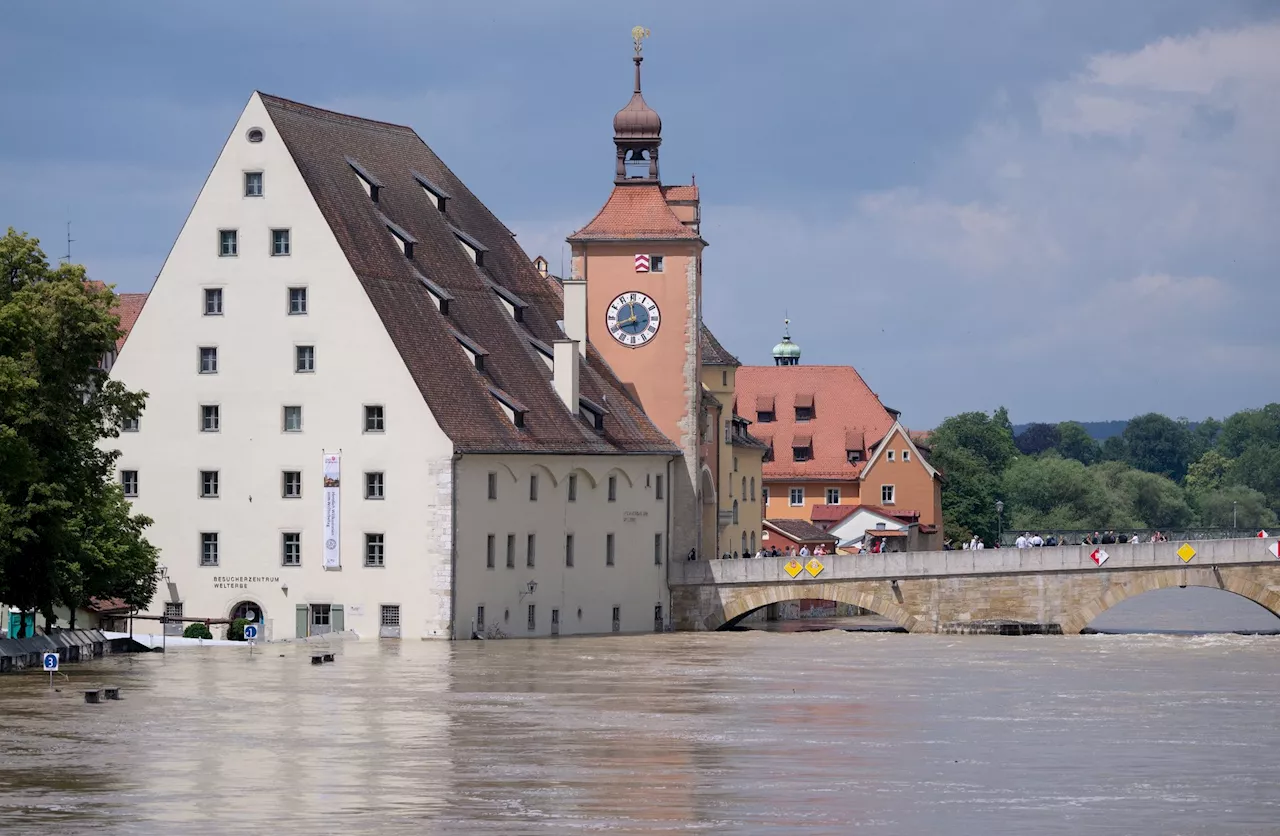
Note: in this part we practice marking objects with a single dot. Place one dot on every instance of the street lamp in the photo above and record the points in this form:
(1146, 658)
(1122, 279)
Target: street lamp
(1233, 515)
(999, 520)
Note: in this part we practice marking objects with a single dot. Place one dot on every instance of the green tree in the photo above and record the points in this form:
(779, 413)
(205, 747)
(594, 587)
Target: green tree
(1208, 472)
(1234, 505)
(1258, 467)
(972, 451)
(65, 533)
(1055, 493)
(197, 630)
(1037, 438)
(1204, 437)
(1113, 450)
(1155, 501)
(1074, 442)
(1158, 444)
(1250, 427)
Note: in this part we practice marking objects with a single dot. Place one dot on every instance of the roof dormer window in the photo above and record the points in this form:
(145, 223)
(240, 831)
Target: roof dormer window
(372, 185)
(401, 236)
(434, 193)
(804, 407)
(513, 303)
(470, 245)
(592, 412)
(472, 348)
(514, 409)
(439, 295)
(801, 448)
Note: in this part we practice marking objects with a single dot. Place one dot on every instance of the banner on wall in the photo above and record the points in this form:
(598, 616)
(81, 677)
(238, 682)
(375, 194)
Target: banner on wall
(332, 515)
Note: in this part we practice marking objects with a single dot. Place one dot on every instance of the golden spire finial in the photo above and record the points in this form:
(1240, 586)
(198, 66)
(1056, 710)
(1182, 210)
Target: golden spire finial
(638, 34)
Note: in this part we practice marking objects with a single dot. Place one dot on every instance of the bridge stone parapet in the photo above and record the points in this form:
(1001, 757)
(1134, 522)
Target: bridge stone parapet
(1058, 587)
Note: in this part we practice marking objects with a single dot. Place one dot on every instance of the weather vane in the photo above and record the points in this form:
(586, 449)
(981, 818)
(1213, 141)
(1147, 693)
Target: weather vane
(638, 34)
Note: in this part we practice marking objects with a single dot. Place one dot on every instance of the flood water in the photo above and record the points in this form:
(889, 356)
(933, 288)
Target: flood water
(746, 732)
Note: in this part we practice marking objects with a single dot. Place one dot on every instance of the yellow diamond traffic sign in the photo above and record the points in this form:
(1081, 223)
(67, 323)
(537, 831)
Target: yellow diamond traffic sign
(1186, 552)
(793, 567)
(814, 566)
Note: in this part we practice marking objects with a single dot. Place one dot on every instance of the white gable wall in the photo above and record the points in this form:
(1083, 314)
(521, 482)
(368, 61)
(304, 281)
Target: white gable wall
(860, 522)
(356, 364)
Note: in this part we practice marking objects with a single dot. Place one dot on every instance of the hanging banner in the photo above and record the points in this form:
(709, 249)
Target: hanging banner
(332, 535)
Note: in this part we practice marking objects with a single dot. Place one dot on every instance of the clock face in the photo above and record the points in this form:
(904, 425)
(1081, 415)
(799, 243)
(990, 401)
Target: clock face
(633, 318)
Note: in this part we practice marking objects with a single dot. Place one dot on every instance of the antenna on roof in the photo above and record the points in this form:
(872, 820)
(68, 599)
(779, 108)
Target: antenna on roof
(67, 257)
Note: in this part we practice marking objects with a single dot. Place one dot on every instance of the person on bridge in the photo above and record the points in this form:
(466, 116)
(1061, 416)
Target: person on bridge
(804, 551)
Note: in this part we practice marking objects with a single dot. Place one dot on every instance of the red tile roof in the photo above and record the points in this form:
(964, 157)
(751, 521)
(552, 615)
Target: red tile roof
(713, 353)
(843, 406)
(128, 307)
(800, 531)
(836, 513)
(674, 193)
(634, 212)
(461, 397)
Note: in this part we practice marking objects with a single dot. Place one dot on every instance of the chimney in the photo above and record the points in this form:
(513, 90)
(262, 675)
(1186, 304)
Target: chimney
(564, 372)
(575, 312)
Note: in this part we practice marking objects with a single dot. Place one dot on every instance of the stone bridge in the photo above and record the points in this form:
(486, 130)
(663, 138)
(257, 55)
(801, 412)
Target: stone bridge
(1058, 588)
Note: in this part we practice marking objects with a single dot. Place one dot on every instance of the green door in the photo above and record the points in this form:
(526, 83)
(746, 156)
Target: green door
(302, 620)
(335, 617)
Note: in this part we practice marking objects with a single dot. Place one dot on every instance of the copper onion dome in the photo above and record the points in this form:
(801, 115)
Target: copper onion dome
(637, 120)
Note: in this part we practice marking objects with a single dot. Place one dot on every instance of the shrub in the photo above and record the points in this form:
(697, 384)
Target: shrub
(197, 630)
(235, 633)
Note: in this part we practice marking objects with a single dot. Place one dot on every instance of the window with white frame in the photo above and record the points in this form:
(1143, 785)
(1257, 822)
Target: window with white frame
(375, 553)
(210, 418)
(889, 455)
(657, 264)
(291, 484)
(304, 359)
(906, 455)
(375, 485)
(209, 484)
(293, 419)
(291, 548)
(253, 184)
(208, 359)
(886, 494)
(208, 548)
(375, 418)
(129, 482)
(764, 493)
(228, 243)
(213, 301)
(280, 242)
(833, 496)
(797, 496)
(297, 301)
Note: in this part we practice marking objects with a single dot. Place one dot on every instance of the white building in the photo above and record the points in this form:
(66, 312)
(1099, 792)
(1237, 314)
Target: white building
(363, 412)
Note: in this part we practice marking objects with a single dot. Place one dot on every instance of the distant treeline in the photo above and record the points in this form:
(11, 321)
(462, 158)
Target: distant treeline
(1156, 473)
(1097, 430)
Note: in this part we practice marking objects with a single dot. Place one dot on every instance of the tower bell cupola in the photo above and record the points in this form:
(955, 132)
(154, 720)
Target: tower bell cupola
(637, 130)
(786, 353)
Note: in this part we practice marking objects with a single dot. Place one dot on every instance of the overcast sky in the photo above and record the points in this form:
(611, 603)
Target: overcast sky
(1071, 209)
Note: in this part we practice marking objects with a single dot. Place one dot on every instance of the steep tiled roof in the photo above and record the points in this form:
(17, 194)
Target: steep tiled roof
(459, 396)
(836, 513)
(842, 402)
(714, 354)
(678, 193)
(128, 308)
(634, 212)
(802, 531)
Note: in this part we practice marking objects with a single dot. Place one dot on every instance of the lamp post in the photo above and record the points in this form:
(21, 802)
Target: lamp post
(999, 521)
(1233, 515)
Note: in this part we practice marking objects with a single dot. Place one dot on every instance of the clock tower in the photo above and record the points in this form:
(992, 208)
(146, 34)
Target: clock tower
(639, 261)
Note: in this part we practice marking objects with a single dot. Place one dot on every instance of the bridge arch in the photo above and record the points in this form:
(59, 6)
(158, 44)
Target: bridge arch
(1224, 580)
(742, 604)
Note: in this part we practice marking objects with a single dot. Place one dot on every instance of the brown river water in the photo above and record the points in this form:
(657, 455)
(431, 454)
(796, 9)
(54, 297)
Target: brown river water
(745, 732)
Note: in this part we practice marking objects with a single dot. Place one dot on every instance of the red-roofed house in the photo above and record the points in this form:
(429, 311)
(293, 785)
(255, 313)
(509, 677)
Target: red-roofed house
(833, 444)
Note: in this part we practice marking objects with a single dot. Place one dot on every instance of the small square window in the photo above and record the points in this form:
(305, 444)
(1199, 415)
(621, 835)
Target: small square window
(213, 301)
(291, 548)
(764, 417)
(657, 264)
(493, 485)
(511, 551)
(533, 487)
(491, 549)
(609, 542)
(573, 487)
(293, 419)
(291, 484)
(304, 359)
(906, 455)
(280, 244)
(253, 184)
(210, 418)
(129, 482)
(209, 484)
(889, 455)
(297, 301)
(208, 548)
(375, 419)
(208, 360)
(374, 550)
(802, 454)
(389, 615)
(568, 550)
(886, 494)
(804, 413)
(613, 488)
(131, 425)
(833, 496)
(797, 497)
(530, 550)
(374, 485)
(228, 243)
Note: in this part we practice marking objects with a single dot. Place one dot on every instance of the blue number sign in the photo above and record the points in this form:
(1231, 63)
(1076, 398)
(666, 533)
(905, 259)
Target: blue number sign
(250, 632)
(51, 662)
